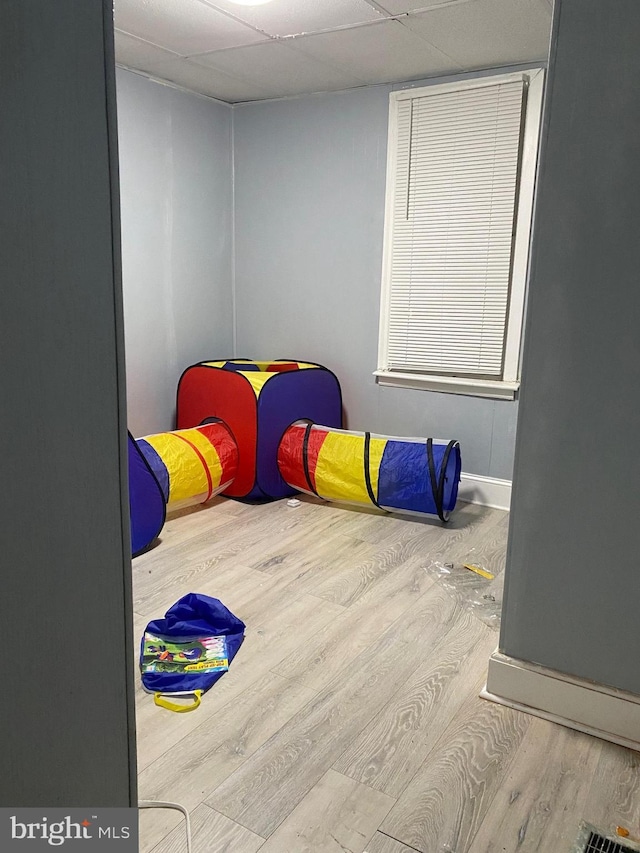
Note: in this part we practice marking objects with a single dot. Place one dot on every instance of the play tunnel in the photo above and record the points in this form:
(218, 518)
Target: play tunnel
(408, 475)
(147, 506)
(191, 465)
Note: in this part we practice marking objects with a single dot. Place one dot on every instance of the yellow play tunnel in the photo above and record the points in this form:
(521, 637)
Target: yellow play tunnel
(191, 465)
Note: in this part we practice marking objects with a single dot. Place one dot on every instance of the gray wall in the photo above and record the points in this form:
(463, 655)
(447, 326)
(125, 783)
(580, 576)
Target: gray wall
(309, 196)
(67, 734)
(573, 581)
(177, 207)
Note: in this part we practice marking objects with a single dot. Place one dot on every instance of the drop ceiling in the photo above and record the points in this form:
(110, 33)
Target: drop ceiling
(281, 48)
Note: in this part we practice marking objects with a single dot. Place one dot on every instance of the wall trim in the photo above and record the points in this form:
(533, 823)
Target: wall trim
(487, 491)
(587, 706)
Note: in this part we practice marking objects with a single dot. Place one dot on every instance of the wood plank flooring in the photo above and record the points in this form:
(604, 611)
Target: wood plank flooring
(350, 720)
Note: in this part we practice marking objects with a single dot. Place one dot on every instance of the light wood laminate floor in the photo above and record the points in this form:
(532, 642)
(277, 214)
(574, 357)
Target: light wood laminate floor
(350, 720)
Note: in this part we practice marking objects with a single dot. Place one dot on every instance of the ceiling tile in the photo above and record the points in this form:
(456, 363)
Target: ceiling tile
(135, 53)
(487, 33)
(290, 17)
(380, 53)
(206, 81)
(182, 26)
(280, 70)
(399, 7)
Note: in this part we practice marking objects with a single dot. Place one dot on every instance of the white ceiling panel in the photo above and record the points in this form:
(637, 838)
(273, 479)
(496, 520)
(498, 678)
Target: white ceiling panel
(290, 17)
(380, 53)
(331, 44)
(182, 26)
(399, 7)
(134, 53)
(280, 70)
(207, 81)
(487, 33)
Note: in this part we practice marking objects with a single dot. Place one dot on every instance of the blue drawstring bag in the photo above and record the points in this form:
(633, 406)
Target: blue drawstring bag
(189, 650)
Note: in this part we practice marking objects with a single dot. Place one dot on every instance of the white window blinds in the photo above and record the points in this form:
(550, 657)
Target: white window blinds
(452, 229)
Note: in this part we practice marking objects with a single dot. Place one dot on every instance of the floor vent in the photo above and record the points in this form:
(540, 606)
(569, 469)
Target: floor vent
(599, 844)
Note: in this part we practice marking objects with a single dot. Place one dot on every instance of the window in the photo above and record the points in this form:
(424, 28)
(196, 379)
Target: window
(460, 178)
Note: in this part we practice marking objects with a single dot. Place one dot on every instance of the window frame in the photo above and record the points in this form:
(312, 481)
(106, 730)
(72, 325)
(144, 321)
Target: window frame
(507, 386)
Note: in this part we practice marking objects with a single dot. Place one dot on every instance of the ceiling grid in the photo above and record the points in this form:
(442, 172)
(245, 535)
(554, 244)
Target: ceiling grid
(236, 53)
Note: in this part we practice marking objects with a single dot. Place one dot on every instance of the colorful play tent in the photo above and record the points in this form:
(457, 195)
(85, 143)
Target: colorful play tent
(258, 401)
(251, 429)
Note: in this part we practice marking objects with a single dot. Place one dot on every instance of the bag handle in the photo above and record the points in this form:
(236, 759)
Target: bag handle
(161, 702)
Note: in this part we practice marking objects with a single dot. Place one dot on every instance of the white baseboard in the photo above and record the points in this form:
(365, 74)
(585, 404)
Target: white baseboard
(612, 715)
(487, 491)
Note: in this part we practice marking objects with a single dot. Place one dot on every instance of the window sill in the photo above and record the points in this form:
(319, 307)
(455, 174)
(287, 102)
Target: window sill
(491, 388)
